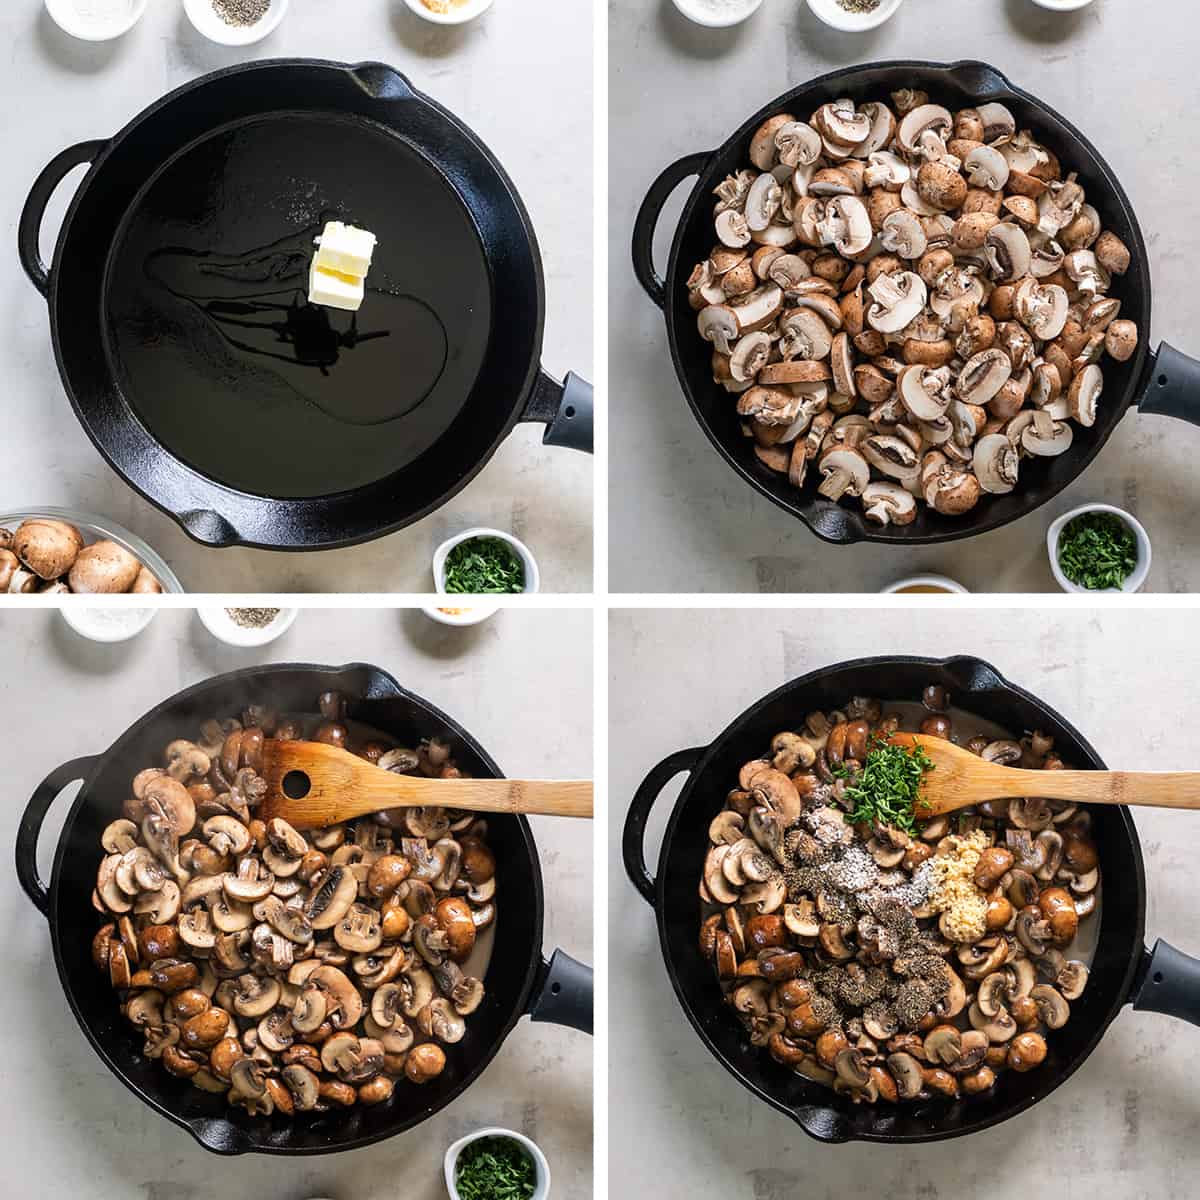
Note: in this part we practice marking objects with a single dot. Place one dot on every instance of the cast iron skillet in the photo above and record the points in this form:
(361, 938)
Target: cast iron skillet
(1166, 382)
(519, 980)
(1123, 971)
(179, 315)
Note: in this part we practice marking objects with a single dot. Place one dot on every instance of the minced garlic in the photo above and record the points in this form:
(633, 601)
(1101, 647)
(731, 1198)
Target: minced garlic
(953, 891)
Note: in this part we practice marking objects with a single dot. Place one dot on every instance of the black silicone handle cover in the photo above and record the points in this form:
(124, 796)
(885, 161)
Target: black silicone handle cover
(564, 408)
(1170, 983)
(564, 993)
(1174, 386)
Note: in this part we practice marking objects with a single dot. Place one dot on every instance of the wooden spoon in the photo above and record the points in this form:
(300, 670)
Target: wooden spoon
(312, 785)
(960, 779)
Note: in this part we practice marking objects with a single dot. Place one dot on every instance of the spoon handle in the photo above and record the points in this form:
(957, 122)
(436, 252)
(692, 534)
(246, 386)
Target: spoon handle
(1157, 789)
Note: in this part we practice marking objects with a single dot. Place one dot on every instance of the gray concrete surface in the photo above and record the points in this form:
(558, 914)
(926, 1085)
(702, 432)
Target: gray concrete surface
(1126, 1124)
(58, 91)
(522, 684)
(680, 519)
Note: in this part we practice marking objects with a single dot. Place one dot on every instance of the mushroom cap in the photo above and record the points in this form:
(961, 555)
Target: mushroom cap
(996, 464)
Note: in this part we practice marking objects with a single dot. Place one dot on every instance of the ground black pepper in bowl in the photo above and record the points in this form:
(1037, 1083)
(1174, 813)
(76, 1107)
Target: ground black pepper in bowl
(241, 13)
(252, 618)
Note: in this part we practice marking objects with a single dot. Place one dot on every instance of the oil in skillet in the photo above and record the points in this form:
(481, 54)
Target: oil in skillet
(215, 347)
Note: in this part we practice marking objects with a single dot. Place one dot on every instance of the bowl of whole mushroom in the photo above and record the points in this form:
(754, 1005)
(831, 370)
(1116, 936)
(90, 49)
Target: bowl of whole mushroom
(908, 301)
(58, 551)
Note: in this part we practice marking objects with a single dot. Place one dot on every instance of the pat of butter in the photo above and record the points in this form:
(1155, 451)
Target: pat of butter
(345, 249)
(335, 289)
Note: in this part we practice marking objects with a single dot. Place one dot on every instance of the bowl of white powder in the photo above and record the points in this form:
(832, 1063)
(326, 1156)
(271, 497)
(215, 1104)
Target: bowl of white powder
(718, 14)
(117, 622)
(96, 20)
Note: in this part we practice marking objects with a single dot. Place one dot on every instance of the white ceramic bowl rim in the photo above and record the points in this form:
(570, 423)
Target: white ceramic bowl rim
(541, 1189)
(834, 15)
(456, 16)
(204, 18)
(942, 582)
(1133, 581)
(100, 529)
(533, 580)
(225, 629)
(693, 12)
(65, 15)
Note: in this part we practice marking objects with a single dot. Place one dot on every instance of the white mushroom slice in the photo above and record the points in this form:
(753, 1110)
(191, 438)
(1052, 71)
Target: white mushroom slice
(750, 356)
(986, 167)
(1041, 309)
(923, 120)
(804, 335)
(996, 464)
(798, 144)
(1084, 395)
(769, 405)
(719, 325)
(842, 126)
(731, 191)
(845, 472)
(983, 376)
(893, 456)
(1046, 437)
(1047, 257)
(888, 504)
(762, 202)
(788, 271)
(898, 299)
(1008, 252)
(903, 234)
(998, 122)
(1082, 267)
(955, 286)
(762, 144)
(883, 130)
(888, 171)
(802, 177)
(831, 181)
(915, 393)
(757, 309)
(733, 229)
(782, 236)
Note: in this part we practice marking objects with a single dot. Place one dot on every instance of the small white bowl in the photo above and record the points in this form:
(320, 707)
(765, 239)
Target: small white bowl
(832, 13)
(225, 629)
(1062, 5)
(697, 11)
(532, 578)
(1133, 581)
(461, 615)
(101, 625)
(542, 1188)
(940, 582)
(459, 15)
(204, 17)
(67, 16)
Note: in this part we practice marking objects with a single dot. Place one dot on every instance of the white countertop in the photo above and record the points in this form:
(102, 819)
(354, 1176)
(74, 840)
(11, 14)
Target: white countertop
(521, 683)
(58, 91)
(1124, 1125)
(681, 520)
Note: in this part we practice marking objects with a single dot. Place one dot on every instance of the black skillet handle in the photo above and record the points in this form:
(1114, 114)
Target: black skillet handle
(31, 825)
(563, 993)
(1168, 982)
(30, 228)
(564, 408)
(633, 841)
(647, 221)
(1173, 386)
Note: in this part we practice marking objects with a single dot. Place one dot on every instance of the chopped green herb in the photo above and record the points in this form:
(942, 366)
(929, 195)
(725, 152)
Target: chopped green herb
(887, 788)
(482, 566)
(495, 1168)
(1097, 550)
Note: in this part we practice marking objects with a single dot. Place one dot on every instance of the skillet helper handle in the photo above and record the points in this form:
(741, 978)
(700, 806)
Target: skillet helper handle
(564, 408)
(1174, 387)
(647, 222)
(31, 826)
(30, 228)
(1170, 984)
(564, 993)
(633, 841)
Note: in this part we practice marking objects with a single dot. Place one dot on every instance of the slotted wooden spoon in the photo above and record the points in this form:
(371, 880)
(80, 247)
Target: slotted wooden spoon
(960, 779)
(312, 785)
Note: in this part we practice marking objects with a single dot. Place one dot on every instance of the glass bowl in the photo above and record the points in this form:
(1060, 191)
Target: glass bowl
(97, 529)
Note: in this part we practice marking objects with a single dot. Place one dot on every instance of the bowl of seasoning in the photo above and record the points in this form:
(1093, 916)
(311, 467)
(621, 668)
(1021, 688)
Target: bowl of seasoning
(491, 1164)
(247, 626)
(96, 20)
(449, 12)
(718, 14)
(485, 562)
(1098, 548)
(854, 16)
(235, 22)
(925, 585)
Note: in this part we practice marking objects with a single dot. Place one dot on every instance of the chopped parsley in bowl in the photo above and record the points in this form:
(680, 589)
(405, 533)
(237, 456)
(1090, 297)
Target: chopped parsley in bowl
(1098, 548)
